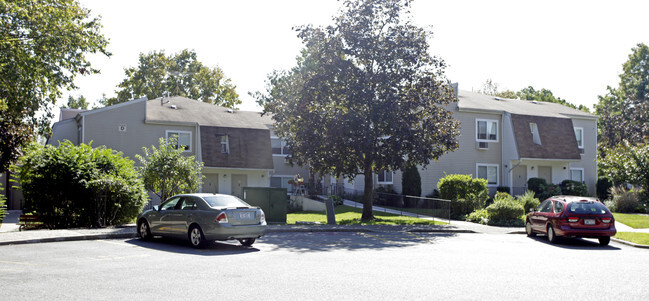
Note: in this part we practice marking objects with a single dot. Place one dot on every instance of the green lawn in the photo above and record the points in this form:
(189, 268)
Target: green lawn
(638, 238)
(635, 221)
(346, 215)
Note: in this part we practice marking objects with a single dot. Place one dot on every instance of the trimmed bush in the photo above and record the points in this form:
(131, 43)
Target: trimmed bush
(604, 184)
(505, 212)
(570, 187)
(78, 186)
(411, 184)
(538, 185)
(466, 193)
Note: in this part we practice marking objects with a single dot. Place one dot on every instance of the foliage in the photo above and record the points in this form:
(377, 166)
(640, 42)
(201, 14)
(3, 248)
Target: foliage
(528, 93)
(480, 216)
(385, 195)
(336, 199)
(623, 110)
(528, 200)
(570, 187)
(77, 103)
(625, 163)
(505, 212)
(3, 205)
(537, 185)
(503, 189)
(626, 201)
(366, 95)
(466, 193)
(166, 171)
(411, 184)
(603, 186)
(43, 47)
(180, 74)
(78, 186)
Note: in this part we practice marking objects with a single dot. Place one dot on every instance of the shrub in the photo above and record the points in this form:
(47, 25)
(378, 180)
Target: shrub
(411, 185)
(538, 185)
(78, 186)
(528, 200)
(549, 191)
(505, 212)
(610, 204)
(336, 199)
(466, 193)
(480, 216)
(603, 186)
(570, 187)
(626, 201)
(503, 189)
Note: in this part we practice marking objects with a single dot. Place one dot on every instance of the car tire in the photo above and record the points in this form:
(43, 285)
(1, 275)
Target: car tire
(604, 240)
(528, 229)
(552, 236)
(247, 242)
(143, 230)
(196, 237)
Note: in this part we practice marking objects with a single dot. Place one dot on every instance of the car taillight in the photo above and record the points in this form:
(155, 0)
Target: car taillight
(263, 217)
(222, 218)
(606, 220)
(573, 219)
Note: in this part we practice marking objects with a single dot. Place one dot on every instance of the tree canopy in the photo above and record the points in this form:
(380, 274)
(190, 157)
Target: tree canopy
(365, 95)
(77, 103)
(180, 74)
(166, 171)
(527, 93)
(43, 47)
(624, 111)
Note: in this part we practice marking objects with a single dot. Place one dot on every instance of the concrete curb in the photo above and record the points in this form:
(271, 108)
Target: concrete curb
(628, 243)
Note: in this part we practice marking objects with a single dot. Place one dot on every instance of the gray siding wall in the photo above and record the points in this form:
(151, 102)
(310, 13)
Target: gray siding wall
(64, 130)
(589, 157)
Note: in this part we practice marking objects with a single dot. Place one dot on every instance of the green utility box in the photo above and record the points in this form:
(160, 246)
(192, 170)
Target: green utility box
(272, 200)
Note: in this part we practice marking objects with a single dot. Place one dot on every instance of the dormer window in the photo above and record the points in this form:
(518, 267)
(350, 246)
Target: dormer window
(579, 134)
(535, 133)
(225, 144)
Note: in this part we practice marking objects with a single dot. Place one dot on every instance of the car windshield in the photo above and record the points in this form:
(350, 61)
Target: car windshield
(587, 208)
(224, 201)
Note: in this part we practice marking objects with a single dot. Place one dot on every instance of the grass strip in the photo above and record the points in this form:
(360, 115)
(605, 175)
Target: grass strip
(636, 221)
(346, 215)
(634, 237)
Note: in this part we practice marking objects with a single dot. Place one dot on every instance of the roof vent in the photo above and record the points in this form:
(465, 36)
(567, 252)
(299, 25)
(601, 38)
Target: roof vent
(174, 107)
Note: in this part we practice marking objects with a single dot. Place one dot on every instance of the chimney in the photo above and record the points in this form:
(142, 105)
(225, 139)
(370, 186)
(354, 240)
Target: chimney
(456, 89)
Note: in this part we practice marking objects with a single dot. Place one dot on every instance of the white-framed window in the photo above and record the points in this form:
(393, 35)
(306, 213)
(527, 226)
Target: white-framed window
(579, 134)
(384, 177)
(487, 130)
(535, 133)
(488, 172)
(577, 174)
(279, 147)
(183, 139)
(225, 144)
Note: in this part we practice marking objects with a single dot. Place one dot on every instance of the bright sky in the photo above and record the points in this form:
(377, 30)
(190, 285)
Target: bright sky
(573, 48)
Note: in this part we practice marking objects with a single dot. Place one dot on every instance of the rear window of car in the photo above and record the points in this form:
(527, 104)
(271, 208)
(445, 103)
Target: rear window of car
(224, 201)
(587, 208)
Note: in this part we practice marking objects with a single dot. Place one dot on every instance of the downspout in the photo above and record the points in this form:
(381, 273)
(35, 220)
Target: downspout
(199, 152)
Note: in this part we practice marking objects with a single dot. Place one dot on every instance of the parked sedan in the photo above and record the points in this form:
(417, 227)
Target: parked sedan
(571, 216)
(203, 217)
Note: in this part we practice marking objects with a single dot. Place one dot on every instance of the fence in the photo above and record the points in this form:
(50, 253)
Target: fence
(406, 205)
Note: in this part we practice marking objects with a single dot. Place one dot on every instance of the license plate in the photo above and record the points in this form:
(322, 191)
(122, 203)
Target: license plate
(246, 216)
(589, 222)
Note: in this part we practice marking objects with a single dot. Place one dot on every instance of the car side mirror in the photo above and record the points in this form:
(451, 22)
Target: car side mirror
(156, 208)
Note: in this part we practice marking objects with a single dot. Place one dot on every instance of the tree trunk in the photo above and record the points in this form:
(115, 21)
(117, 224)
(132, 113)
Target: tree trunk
(367, 196)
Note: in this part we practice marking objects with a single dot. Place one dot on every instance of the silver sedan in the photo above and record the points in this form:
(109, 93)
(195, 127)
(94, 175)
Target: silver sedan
(203, 217)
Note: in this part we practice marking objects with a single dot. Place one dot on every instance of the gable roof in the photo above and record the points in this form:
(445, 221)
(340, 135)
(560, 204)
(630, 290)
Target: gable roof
(184, 110)
(476, 102)
(557, 138)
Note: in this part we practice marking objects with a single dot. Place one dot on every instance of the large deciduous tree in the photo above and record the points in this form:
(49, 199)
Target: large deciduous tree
(43, 47)
(365, 95)
(624, 112)
(166, 171)
(179, 74)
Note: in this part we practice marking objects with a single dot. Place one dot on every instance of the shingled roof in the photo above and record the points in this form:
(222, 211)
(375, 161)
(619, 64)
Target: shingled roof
(557, 138)
(184, 110)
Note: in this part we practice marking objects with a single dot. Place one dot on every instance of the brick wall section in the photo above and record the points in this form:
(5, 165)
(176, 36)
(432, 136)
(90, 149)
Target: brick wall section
(558, 139)
(249, 148)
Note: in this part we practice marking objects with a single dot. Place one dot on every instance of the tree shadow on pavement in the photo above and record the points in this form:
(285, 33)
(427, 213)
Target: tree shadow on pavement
(331, 241)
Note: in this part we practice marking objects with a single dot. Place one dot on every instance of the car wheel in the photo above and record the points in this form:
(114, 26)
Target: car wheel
(528, 229)
(247, 242)
(604, 240)
(196, 237)
(552, 236)
(143, 230)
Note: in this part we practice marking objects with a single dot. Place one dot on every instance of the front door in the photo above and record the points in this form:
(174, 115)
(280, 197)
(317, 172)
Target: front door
(545, 172)
(519, 180)
(211, 184)
(238, 182)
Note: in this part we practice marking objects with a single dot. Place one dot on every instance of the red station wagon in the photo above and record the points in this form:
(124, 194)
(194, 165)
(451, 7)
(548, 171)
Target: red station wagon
(571, 216)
